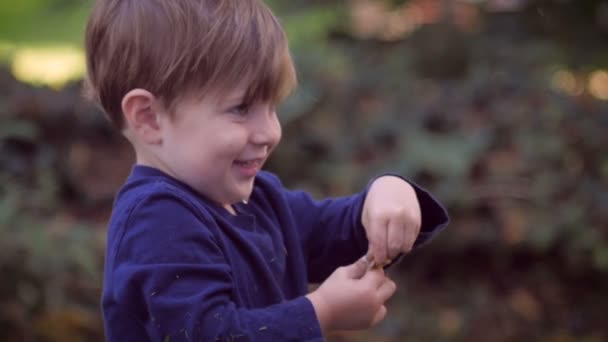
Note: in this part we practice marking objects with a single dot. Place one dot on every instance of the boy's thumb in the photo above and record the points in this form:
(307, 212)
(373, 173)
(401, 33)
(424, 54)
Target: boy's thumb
(358, 269)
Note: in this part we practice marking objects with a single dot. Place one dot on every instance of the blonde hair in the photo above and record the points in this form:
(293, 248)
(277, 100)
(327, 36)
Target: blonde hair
(177, 47)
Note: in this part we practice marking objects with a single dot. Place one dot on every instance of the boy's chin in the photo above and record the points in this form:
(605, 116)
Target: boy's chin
(242, 196)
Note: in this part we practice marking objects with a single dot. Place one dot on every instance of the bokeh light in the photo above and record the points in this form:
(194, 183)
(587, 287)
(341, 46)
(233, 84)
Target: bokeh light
(598, 84)
(567, 82)
(52, 66)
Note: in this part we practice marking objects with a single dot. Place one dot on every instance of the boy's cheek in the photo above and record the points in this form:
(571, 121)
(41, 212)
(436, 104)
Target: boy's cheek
(278, 133)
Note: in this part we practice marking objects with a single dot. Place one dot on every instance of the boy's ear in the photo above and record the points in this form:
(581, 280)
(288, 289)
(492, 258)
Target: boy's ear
(140, 110)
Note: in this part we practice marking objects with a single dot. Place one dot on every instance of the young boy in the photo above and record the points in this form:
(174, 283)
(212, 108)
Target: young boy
(202, 244)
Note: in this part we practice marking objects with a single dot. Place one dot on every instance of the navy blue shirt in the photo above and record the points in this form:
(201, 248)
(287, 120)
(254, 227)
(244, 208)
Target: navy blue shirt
(182, 268)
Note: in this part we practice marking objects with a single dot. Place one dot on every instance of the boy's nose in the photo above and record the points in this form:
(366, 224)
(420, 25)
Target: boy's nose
(267, 129)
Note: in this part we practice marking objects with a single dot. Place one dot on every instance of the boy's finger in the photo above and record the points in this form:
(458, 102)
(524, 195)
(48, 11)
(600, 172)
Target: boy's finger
(386, 290)
(379, 316)
(375, 277)
(377, 240)
(396, 237)
(358, 269)
(411, 234)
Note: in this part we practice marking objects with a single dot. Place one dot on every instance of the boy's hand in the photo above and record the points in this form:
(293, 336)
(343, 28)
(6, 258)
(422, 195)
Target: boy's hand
(391, 217)
(352, 298)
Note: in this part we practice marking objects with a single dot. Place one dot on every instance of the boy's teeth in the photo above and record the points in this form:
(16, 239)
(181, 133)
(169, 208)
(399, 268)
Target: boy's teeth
(247, 163)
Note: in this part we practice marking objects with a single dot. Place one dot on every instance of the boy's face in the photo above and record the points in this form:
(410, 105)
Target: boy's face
(217, 145)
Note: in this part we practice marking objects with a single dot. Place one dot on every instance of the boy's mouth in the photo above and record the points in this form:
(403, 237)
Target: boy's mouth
(249, 167)
(252, 163)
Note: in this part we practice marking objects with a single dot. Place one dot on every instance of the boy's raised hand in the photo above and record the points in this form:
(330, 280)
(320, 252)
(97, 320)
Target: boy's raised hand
(352, 298)
(391, 218)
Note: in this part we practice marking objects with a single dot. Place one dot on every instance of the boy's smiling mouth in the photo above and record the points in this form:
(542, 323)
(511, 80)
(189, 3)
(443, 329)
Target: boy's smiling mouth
(249, 167)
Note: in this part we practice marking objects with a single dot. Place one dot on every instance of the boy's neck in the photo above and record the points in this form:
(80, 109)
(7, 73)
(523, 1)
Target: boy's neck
(230, 209)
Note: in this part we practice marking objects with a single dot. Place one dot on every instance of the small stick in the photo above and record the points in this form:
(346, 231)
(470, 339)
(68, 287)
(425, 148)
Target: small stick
(372, 264)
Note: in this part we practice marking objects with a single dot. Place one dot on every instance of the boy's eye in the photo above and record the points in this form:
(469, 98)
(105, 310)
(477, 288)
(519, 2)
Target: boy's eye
(240, 110)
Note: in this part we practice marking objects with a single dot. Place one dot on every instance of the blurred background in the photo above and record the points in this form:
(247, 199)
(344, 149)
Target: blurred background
(499, 107)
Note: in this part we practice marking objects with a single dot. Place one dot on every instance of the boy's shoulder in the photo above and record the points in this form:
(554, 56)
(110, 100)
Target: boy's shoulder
(134, 191)
(158, 189)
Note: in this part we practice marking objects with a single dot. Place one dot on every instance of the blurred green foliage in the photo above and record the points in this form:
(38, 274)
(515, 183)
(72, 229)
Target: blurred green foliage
(492, 110)
(43, 21)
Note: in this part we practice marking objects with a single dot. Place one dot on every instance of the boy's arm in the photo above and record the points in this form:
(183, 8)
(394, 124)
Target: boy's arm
(332, 231)
(172, 276)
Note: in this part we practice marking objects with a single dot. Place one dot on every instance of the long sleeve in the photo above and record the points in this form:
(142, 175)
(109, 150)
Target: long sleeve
(332, 232)
(434, 216)
(168, 271)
